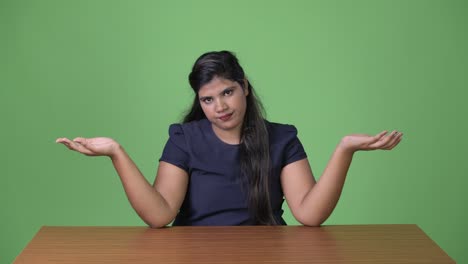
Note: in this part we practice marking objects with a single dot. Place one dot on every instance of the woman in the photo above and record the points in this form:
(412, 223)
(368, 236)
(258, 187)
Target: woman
(226, 165)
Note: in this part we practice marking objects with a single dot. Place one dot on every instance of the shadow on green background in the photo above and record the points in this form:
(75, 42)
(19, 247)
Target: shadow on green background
(331, 68)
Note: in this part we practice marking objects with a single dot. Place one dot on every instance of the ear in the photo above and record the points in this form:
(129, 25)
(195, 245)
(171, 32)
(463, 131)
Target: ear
(246, 86)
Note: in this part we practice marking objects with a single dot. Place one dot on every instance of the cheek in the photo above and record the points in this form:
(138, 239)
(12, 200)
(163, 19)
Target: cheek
(242, 102)
(206, 110)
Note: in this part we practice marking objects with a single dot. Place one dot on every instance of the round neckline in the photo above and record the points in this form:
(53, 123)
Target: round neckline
(213, 134)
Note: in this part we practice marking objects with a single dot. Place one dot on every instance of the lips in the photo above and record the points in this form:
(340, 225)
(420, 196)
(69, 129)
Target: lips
(225, 117)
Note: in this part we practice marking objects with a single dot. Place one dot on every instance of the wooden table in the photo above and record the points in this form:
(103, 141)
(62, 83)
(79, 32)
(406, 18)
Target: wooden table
(234, 244)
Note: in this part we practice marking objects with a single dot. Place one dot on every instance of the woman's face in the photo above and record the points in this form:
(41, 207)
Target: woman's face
(224, 103)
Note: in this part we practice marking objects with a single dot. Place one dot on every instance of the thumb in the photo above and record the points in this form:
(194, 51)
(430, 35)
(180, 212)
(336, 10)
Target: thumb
(377, 137)
(380, 135)
(82, 141)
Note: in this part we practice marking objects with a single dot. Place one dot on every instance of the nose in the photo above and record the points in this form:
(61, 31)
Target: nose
(220, 106)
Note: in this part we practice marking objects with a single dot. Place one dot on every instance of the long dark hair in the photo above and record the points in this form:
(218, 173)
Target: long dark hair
(254, 146)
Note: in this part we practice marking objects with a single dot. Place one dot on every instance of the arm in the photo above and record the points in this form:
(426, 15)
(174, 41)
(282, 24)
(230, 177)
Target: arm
(312, 203)
(157, 205)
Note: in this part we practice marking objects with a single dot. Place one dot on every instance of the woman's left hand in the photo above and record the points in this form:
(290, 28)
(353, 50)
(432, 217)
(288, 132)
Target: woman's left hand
(382, 140)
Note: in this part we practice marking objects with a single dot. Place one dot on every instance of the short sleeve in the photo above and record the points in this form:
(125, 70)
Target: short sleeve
(175, 152)
(294, 150)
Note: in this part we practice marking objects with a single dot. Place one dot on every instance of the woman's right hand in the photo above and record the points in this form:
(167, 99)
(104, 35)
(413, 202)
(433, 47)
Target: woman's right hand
(100, 146)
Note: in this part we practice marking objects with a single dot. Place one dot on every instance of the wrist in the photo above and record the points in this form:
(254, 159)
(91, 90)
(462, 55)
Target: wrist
(117, 152)
(346, 146)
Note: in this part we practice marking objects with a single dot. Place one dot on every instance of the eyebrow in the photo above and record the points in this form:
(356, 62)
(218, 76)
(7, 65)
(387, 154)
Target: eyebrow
(223, 91)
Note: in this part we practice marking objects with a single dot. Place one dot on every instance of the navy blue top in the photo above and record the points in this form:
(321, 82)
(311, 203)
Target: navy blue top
(214, 195)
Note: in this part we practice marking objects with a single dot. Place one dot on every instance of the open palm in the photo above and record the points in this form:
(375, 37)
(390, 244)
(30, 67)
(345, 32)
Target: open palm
(382, 141)
(99, 146)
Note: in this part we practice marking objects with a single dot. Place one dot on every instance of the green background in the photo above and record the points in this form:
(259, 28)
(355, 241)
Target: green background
(331, 68)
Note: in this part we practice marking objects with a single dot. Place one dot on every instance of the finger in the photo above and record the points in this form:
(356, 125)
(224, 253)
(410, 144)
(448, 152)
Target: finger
(85, 145)
(389, 140)
(381, 134)
(64, 141)
(82, 149)
(377, 137)
(384, 141)
(394, 138)
(60, 140)
(82, 141)
(397, 141)
(75, 146)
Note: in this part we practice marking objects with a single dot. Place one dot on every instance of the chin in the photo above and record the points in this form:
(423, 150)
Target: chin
(226, 125)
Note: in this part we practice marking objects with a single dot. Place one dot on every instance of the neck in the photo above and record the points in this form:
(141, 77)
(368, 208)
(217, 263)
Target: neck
(231, 136)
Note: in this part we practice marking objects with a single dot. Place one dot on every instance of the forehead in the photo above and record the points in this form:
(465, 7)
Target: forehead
(215, 86)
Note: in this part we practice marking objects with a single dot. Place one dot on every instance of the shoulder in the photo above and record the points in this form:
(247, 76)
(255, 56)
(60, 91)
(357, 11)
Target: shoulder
(280, 127)
(190, 134)
(285, 146)
(188, 129)
(280, 132)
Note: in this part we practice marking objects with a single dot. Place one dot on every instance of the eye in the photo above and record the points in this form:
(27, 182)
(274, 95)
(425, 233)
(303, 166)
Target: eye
(228, 92)
(207, 100)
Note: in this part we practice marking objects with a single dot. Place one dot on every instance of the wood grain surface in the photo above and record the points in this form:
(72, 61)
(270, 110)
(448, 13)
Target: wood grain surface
(234, 244)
